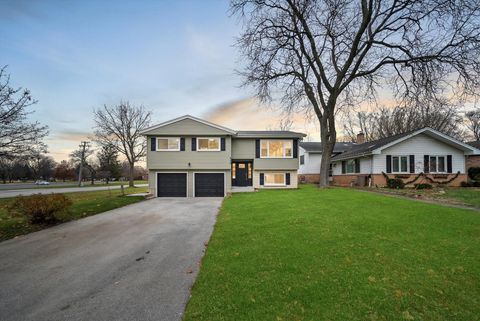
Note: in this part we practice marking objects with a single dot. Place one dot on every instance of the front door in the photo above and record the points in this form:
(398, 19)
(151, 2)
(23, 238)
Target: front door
(242, 173)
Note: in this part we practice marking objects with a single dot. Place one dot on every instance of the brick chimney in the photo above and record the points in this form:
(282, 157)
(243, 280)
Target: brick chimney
(360, 138)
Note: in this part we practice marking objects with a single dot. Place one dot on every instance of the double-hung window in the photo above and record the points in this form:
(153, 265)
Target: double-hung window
(208, 144)
(275, 179)
(350, 166)
(400, 164)
(276, 148)
(437, 164)
(168, 144)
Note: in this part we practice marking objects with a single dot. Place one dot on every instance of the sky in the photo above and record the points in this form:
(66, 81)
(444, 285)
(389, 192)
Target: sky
(173, 57)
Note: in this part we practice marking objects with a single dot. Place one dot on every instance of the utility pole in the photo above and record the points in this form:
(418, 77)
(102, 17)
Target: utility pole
(83, 146)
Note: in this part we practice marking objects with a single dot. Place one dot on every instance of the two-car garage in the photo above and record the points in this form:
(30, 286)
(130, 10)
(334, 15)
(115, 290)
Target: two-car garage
(204, 184)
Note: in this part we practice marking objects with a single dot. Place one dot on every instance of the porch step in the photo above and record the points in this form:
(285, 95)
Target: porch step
(242, 189)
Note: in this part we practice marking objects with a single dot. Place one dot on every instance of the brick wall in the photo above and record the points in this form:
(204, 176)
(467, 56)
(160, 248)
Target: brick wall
(379, 179)
(472, 161)
(308, 178)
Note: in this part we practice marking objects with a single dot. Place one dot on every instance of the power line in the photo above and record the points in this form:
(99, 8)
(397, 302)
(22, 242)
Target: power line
(83, 147)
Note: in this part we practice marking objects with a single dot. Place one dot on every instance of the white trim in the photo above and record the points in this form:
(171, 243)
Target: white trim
(168, 150)
(168, 172)
(146, 130)
(275, 173)
(268, 149)
(209, 150)
(208, 172)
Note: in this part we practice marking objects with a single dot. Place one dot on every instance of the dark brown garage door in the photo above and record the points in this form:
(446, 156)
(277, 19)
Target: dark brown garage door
(209, 184)
(172, 185)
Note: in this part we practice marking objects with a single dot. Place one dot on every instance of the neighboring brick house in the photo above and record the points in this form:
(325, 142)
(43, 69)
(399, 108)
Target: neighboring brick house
(425, 153)
(473, 160)
(311, 158)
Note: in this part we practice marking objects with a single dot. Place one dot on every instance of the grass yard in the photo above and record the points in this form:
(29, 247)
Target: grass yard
(70, 184)
(84, 204)
(338, 254)
(468, 196)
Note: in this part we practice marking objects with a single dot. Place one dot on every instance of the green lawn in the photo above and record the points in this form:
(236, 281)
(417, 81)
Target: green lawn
(469, 196)
(453, 195)
(74, 184)
(84, 204)
(338, 254)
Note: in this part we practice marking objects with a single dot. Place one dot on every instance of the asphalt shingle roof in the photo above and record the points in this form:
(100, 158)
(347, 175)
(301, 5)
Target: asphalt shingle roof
(268, 133)
(368, 147)
(316, 147)
(475, 144)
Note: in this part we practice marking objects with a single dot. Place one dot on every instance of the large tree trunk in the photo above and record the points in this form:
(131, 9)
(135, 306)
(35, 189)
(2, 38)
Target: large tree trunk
(131, 172)
(329, 137)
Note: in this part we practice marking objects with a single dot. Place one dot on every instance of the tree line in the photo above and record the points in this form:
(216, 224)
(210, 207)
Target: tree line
(24, 155)
(437, 114)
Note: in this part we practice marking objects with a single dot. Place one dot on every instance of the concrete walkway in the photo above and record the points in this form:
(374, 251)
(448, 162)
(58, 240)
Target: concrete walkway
(133, 263)
(16, 192)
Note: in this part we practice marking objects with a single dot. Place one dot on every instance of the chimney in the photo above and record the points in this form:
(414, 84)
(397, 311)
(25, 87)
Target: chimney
(360, 138)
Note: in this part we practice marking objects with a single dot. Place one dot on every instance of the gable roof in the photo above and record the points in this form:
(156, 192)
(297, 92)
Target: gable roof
(241, 133)
(228, 130)
(316, 147)
(269, 133)
(375, 147)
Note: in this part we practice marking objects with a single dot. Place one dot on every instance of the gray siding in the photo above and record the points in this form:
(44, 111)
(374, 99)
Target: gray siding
(243, 148)
(187, 127)
(180, 159)
(275, 163)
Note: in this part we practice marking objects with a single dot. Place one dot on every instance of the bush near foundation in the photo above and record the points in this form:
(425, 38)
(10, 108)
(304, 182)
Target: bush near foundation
(395, 183)
(474, 173)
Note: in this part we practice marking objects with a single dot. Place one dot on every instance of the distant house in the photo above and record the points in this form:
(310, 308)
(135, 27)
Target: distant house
(191, 157)
(474, 160)
(424, 154)
(311, 159)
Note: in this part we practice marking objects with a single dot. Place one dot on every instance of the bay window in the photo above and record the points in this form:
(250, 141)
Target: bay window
(276, 148)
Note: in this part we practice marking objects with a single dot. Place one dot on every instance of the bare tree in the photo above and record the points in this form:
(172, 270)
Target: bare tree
(120, 126)
(325, 55)
(473, 123)
(438, 114)
(18, 137)
(359, 122)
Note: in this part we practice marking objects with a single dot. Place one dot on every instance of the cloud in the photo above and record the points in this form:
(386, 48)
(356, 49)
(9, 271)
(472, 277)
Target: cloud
(71, 136)
(250, 114)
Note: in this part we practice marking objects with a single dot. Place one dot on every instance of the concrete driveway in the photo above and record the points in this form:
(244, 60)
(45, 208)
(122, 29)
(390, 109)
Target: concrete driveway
(133, 263)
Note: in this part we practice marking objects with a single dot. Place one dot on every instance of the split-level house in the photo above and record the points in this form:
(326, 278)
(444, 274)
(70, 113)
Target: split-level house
(191, 157)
